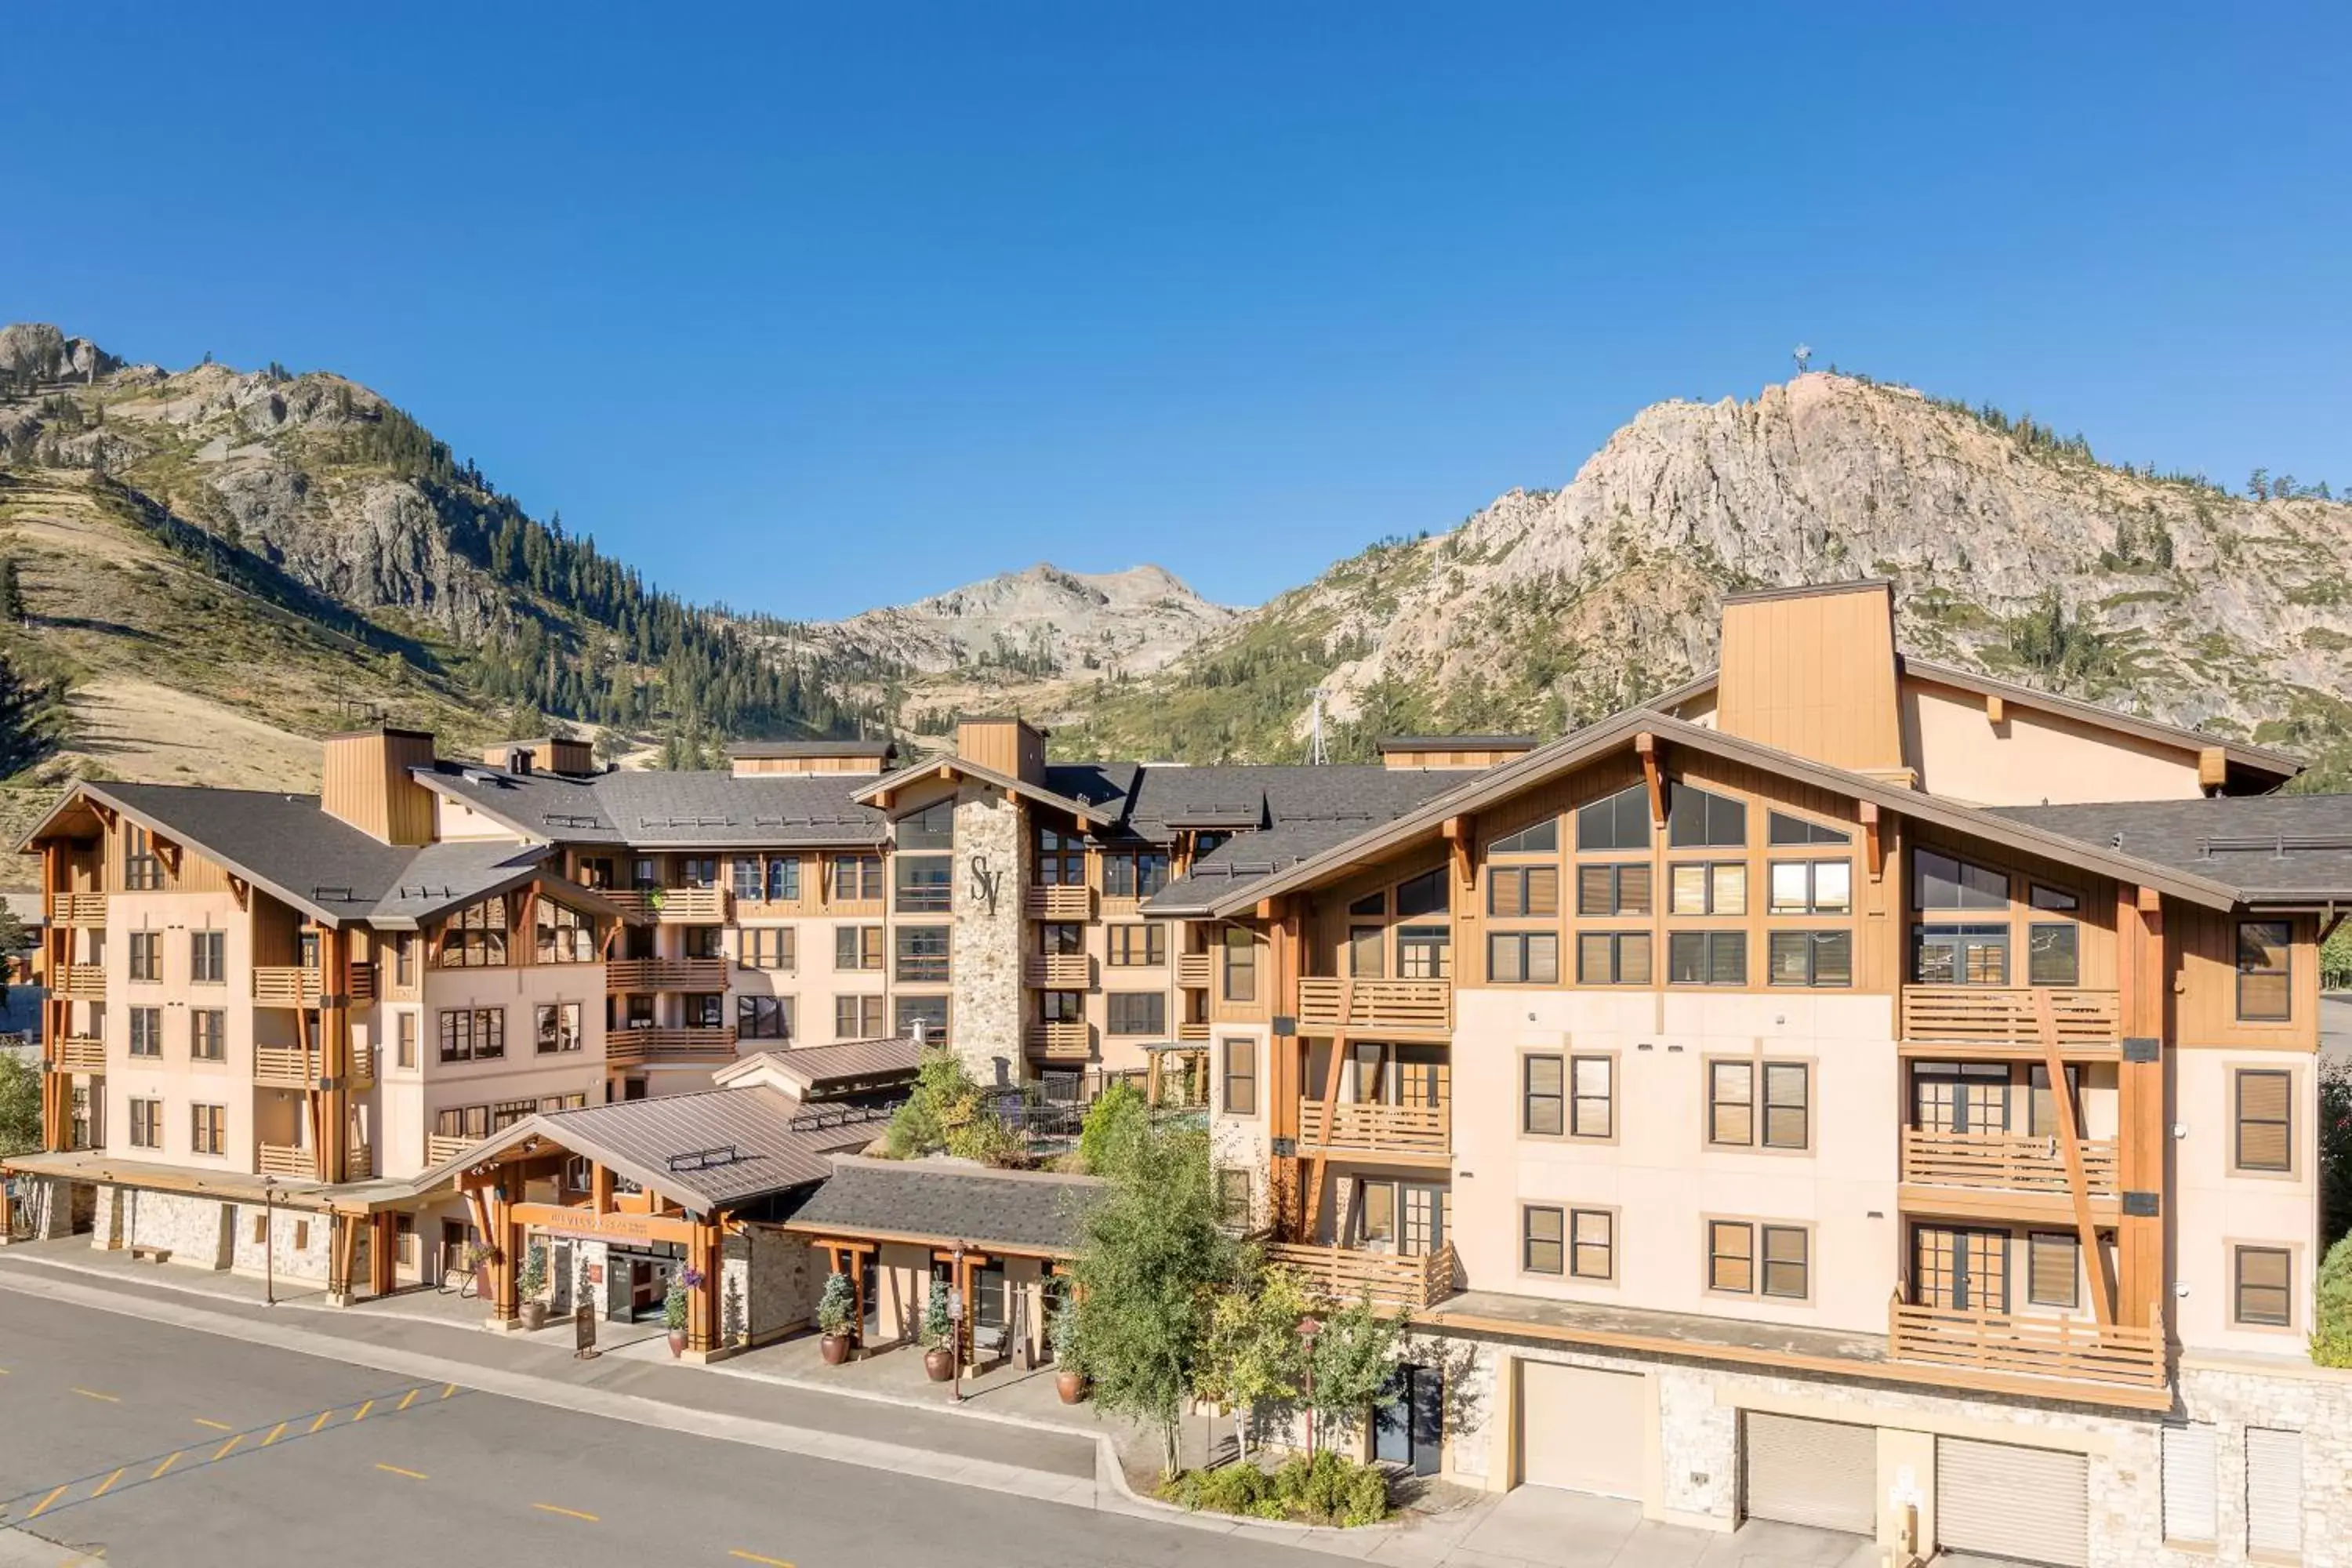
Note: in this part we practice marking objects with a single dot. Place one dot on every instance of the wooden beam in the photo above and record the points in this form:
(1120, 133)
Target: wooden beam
(1316, 1167)
(1645, 746)
(600, 1189)
(1874, 845)
(2070, 1149)
(2142, 1129)
(1996, 711)
(243, 891)
(2212, 767)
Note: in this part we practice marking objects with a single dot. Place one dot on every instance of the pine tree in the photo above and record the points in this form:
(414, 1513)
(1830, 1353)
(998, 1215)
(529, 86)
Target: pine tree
(12, 593)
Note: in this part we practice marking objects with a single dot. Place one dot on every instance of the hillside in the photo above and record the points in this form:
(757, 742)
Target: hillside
(2016, 552)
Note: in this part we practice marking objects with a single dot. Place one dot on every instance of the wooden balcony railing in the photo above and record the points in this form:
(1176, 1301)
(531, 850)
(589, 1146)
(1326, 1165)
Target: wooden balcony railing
(79, 1053)
(358, 1162)
(438, 1149)
(1345, 1275)
(285, 1160)
(1424, 1006)
(1060, 972)
(624, 1047)
(284, 1066)
(363, 982)
(1059, 1042)
(665, 975)
(1193, 971)
(83, 982)
(1376, 1128)
(1193, 1029)
(672, 906)
(1062, 903)
(2005, 1015)
(284, 985)
(84, 909)
(2004, 1160)
(2041, 1347)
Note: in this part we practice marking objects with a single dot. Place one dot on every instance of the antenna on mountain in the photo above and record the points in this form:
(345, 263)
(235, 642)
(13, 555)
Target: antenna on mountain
(1803, 353)
(1316, 754)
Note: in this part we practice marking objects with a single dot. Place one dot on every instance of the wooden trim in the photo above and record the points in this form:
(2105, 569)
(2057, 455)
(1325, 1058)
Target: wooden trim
(1645, 746)
(1996, 712)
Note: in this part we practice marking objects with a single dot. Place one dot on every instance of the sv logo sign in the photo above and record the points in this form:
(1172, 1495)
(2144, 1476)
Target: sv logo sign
(985, 882)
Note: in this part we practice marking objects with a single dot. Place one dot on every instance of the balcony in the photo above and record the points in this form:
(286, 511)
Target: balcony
(284, 1066)
(2004, 1343)
(2003, 1161)
(289, 1160)
(85, 912)
(1059, 903)
(1414, 1006)
(79, 1053)
(665, 975)
(1345, 1275)
(83, 982)
(1060, 972)
(359, 1164)
(1060, 1042)
(284, 985)
(1193, 971)
(1193, 1029)
(438, 1150)
(2003, 1020)
(671, 906)
(1377, 1129)
(629, 1047)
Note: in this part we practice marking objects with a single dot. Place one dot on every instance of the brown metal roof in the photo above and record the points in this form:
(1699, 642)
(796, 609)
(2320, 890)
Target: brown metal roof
(816, 1069)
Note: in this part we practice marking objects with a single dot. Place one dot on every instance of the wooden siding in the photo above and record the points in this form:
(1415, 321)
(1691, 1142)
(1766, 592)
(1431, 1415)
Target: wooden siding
(1813, 674)
(365, 781)
(1008, 746)
(2205, 1000)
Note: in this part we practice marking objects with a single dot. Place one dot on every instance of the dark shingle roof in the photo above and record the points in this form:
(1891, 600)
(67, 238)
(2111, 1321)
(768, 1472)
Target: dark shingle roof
(2272, 848)
(1307, 810)
(1019, 1211)
(687, 809)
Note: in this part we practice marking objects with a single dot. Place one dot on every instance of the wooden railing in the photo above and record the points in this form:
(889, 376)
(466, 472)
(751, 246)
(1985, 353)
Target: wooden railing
(1345, 1275)
(1060, 1041)
(2004, 1015)
(623, 1047)
(284, 1160)
(1193, 1029)
(1193, 971)
(678, 906)
(1062, 903)
(1423, 1005)
(2004, 1343)
(284, 985)
(284, 1066)
(437, 1149)
(79, 1053)
(665, 975)
(2007, 1160)
(358, 1162)
(84, 909)
(1376, 1128)
(363, 982)
(1060, 972)
(86, 982)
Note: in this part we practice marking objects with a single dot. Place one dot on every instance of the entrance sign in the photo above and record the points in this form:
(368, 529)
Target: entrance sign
(583, 1332)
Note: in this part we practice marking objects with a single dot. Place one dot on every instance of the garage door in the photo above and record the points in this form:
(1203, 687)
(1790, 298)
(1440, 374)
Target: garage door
(1581, 1429)
(2027, 1504)
(1821, 1473)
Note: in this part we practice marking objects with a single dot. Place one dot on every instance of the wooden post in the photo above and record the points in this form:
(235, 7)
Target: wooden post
(702, 1324)
(1645, 746)
(2070, 1149)
(333, 1150)
(384, 1250)
(2141, 1141)
(600, 1189)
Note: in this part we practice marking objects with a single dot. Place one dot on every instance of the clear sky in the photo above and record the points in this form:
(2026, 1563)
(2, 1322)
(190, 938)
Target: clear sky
(813, 307)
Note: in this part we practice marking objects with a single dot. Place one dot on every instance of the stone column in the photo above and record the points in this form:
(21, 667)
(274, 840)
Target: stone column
(984, 949)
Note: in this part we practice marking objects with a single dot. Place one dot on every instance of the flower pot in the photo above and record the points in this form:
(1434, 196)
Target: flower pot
(534, 1316)
(834, 1348)
(1070, 1386)
(676, 1343)
(939, 1365)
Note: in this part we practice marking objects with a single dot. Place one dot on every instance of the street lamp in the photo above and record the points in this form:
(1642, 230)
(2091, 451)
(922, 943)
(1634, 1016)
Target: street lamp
(270, 1241)
(1308, 1329)
(955, 1322)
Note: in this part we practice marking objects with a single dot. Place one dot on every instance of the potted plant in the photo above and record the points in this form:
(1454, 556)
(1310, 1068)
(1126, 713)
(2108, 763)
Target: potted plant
(533, 1282)
(836, 1315)
(938, 1334)
(477, 1261)
(1069, 1376)
(674, 1307)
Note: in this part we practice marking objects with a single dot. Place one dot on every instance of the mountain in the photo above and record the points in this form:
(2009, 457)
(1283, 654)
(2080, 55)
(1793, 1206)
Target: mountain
(2015, 552)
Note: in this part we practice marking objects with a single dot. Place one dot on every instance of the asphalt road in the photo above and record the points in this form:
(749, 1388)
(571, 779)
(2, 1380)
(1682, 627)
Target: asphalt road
(162, 1446)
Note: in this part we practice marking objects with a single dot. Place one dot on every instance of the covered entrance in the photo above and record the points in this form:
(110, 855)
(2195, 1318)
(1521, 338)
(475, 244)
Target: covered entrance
(1582, 1428)
(1818, 1473)
(1409, 1423)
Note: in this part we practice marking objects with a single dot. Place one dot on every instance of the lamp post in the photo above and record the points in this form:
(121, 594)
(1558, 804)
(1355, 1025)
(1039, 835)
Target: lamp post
(270, 1241)
(1308, 1329)
(955, 1322)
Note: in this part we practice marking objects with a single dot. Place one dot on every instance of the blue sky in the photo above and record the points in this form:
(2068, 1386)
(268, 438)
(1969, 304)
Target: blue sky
(811, 308)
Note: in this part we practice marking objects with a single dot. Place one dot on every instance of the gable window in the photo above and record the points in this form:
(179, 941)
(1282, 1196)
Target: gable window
(767, 947)
(1697, 818)
(208, 1034)
(1523, 958)
(142, 869)
(763, 1017)
(1137, 946)
(933, 828)
(1238, 1065)
(1946, 882)
(1241, 965)
(2050, 955)
(208, 957)
(1959, 955)
(146, 1031)
(1520, 892)
(2057, 898)
(1620, 820)
(1137, 1013)
(2262, 1281)
(562, 935)
(1782, 828)
(1812, 887)
(1612, 958)
(558, 1026)
(922, 955)
(2264, 971)
(856, 1017)
(1811, 958)
(2265, 1137)
(857, 878)
(1543, 1096)
(475, 936)
(857, 948)
(1423, 895)
(1607, 890)
(1137, 876)
(146, 956)
(473, 1034)
(1708, 888)
(1537, 838)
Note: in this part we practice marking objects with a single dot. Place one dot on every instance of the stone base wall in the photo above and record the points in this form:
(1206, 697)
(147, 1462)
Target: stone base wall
(48, 1207)
(196, 1230)
(298, 1245)
(767, 1286)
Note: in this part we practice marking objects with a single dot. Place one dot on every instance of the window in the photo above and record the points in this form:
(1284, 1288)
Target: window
(1697, 818)
(1593, 1244)
(1424, 952)
(1786, 1263)
(1137, 1012)
(207, 1035)
(1959, 955)
(1522, 892)
(1944, 882)
(404, 958)
(763, 1017)
(146, 1031)
(561, 935)
(2053, 1267)
(1537, 838)
(922, 953)
(933, 828)
(209, 1129)
(926, 883)
(2042, 1106)
(1138, 946)
(1543, 1096)
(1371, 904)
(2050, 956)
(785, 879)
(2192, 1463)
(1590, 1110)
(2265, 1279)
(1782, 828)
(1732, 1112)
(2265, 1119)
(1233, 1198)
(856, 1017)
(404, 1036)
(1731, 1256)
(475, 936)
(1609, 889)
(2058, 898)
(1367, 951)
(1061, 859)
(701, 1010)
(1543, 1239)
(704, 941)
(1745, 1259)
(930, 1012)
(1707, 958)
(2264, 994)
(1812, 887)
(146, 1124)
(79, 1114)
(1061, 939)
(1060, 1007)
(1811, 958)
(1620, 822)
(208, 957)
(767, 947)
(471, 1123)
(146, 956)
(142, 870)
(1238, 1062)
(1708, 888)
(1137, 876)
(750, 884)
(473, 1034)
(1788, 1103)
(558, 1026)
(507, 1112)
(1612, 958)
(1523, 958)
(697, 871)
(857, 878)
(1423, 895)
(1241, 965)
(857, 948)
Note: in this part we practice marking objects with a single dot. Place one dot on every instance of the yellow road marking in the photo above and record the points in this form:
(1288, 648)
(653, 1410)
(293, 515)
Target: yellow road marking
(225, 1448)
(408, 1399)
(165, 1465)
(274, 1431)
(44, 1502)
(105, 1483)
(566, 1512)
(448, 1391)
(93, 1394)
(324, 1417)
(755, 1557)
(360, 1415)
(412, 1475)
(216, 1425)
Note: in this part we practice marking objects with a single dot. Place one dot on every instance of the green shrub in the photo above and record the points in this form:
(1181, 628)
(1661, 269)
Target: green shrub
(2331, 1334)
(1326, 1489)
(1115, 1124)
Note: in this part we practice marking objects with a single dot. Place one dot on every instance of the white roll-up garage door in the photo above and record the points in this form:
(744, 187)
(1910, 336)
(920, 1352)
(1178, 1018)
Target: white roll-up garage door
(2191, 1511)
(2274, 1490)
(1581, 1428)
(2028, 1504)
(1821, 1473)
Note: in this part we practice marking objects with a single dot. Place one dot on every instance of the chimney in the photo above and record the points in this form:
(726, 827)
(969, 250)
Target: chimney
(1811, 671)
(1013, 747)
(518, 759)
(553, 754)
(364, 782)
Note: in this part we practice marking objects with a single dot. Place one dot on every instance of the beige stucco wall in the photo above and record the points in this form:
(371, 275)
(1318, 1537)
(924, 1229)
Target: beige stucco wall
(410, 1101)
(2215, 1208)
(812, 983)
(176, 1081)
(2032, 757)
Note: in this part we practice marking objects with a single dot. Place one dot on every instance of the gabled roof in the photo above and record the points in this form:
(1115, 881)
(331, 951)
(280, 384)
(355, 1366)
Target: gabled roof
(1092, 814)
(935, 1200)
(830, 1069)
(701, 809)
(2274, 848)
